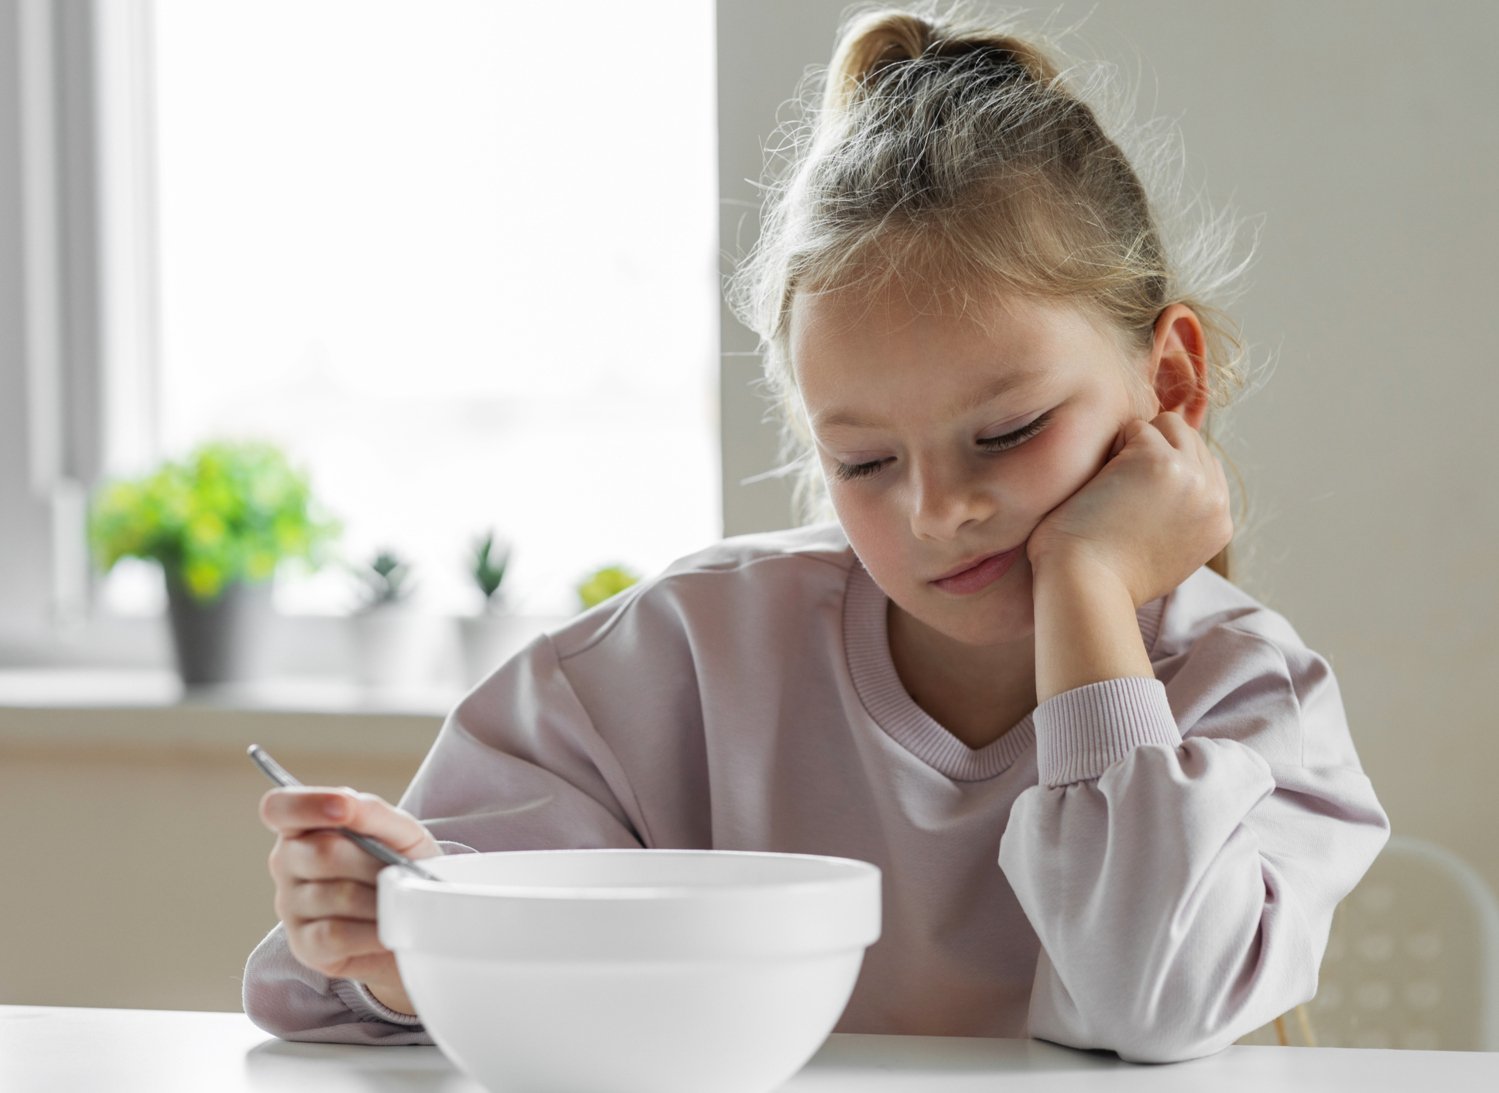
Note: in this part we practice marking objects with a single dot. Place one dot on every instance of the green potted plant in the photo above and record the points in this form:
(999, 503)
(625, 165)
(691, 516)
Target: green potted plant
(487, 566)
(220, 522)
(603, 583)
(392, 647)
(384, 581)
(491, 635)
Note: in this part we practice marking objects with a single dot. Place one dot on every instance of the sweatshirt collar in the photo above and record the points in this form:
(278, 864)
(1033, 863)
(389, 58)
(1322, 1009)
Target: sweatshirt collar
(867, 644)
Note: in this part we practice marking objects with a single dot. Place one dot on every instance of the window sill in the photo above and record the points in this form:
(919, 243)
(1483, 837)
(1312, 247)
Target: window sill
(104, 688)
(147, 715)
(114, 662)
(107, 687)
(93, 708)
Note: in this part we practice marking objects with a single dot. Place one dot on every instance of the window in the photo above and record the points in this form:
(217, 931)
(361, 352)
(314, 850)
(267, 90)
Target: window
(460, 259)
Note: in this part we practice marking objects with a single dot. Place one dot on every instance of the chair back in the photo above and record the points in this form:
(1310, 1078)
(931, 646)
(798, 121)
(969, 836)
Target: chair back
(1413, 957)
(1412, 960)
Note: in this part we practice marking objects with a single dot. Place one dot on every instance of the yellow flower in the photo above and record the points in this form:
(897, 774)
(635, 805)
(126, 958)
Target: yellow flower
(207, 529)
(599, 585)
(203, 579)
(260, 565)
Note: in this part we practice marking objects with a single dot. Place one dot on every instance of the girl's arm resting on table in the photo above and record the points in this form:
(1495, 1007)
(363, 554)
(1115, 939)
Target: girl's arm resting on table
(517, 765)
(1183, 889)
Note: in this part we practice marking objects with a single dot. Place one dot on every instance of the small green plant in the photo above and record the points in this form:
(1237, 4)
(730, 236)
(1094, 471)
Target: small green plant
(604, 582)
(230, 511)
(385, 579)
(487, 566)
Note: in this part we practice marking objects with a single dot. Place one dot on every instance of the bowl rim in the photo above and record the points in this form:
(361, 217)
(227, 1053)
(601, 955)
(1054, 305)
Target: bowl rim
(854, 871)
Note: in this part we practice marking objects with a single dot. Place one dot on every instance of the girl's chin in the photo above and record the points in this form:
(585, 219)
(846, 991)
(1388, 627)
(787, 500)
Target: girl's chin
(992, 623)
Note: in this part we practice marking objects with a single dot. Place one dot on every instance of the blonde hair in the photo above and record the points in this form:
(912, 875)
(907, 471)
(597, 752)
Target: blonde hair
(949, 151)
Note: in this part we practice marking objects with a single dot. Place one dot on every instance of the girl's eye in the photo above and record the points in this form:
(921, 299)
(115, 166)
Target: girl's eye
(1019, 436)
(847, 472)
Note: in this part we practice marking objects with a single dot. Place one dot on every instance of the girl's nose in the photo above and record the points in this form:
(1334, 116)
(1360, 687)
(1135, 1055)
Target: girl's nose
(945, 500)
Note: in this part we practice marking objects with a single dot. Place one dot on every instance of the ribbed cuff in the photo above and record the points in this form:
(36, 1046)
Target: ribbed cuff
(365, 1005)
(1082, 732)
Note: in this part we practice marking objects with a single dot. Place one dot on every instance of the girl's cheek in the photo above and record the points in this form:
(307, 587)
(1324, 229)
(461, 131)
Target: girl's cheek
(1072, 462)
(855, 513)
(867, 517)
(1052, 466)
(845, 507)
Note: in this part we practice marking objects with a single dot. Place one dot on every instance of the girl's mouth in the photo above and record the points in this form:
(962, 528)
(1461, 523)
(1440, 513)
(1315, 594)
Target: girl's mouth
(978, 575)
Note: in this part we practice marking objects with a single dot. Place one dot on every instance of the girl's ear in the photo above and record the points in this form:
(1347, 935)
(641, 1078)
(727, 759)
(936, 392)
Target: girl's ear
(1178, 364)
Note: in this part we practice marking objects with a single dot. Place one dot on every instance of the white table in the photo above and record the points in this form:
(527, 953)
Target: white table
(54, 1049)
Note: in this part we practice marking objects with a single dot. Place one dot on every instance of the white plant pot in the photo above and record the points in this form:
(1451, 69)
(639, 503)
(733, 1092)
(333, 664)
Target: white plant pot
(491, 639)
(393, 647)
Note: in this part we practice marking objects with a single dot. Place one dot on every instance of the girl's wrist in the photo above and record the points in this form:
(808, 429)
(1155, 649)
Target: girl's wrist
(391, 997)
(1078, 567)
(1086, 626)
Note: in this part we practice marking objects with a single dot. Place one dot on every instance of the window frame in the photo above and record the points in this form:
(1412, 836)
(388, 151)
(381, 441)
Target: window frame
(78, 294)
(49, 306)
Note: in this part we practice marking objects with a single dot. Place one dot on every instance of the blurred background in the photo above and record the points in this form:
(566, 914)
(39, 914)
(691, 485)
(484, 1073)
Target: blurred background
(462, 265)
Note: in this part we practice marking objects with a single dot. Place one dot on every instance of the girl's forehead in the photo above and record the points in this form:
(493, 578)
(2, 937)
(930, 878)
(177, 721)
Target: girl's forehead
(833, 326)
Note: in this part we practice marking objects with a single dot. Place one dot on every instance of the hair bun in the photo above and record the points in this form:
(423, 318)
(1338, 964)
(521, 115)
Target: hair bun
(868, 43)
(876, 39)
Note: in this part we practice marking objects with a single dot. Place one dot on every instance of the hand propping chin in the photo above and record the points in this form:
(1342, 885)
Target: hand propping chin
(1155, 512)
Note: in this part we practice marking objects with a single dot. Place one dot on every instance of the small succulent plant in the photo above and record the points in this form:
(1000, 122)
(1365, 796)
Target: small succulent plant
(385, 579)
(487, 566)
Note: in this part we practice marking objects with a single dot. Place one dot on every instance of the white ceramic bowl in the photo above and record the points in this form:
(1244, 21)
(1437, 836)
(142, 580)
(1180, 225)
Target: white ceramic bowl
(617, 971)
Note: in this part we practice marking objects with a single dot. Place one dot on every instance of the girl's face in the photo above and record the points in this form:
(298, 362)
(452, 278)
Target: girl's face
(945, 440)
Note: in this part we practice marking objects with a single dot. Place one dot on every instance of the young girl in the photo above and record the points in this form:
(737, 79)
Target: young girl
(1114, 798)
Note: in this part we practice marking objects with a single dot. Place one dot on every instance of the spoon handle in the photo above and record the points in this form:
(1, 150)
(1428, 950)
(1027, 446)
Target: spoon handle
(278, 774)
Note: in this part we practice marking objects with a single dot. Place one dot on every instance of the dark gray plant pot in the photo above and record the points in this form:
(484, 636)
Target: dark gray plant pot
(224, 641)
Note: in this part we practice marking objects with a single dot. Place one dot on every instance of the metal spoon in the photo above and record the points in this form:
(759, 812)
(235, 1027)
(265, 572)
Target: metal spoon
(374, 847)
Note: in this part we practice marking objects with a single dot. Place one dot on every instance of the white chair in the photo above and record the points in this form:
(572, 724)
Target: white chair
(1412, 960)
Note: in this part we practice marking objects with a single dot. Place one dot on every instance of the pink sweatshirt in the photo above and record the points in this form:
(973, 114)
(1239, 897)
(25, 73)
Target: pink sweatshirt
(1143, 865)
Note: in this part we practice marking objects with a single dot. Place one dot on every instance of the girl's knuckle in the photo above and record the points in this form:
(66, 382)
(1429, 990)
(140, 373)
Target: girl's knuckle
(328, 935)
(347, 895)
(297, 860)
(304, 946)
(323, 849)
(281, 905)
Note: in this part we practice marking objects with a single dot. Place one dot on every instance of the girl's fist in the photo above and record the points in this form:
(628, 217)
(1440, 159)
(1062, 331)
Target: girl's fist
(325, 884)
(1153, 514)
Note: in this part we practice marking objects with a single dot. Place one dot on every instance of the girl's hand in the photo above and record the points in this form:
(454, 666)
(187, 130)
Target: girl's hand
(325, 884)
(1156, 512)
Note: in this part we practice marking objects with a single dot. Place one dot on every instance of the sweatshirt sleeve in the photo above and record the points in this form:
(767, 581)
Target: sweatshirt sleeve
(517, 765)
(1181, 858)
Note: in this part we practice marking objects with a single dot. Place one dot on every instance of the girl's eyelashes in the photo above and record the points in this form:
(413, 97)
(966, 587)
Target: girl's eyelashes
(847, 472)
(1019, 436)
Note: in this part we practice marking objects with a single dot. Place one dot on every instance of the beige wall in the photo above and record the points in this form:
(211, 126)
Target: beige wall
(1363, 131)
(134, 861)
